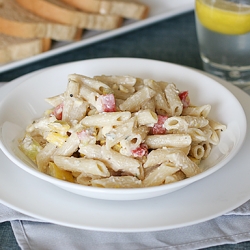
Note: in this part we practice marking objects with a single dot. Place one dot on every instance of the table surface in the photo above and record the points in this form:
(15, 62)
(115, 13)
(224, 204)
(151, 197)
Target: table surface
(173, 40)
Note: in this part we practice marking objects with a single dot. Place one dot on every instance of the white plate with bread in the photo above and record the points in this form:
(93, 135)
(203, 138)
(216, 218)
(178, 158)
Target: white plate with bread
(31, 30)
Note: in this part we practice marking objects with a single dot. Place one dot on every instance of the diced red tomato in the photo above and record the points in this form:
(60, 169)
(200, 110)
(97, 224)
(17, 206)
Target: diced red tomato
(83, 135)
(108, 103)
(158, 128)
(57, 112)
(140, 151)
(184, 98)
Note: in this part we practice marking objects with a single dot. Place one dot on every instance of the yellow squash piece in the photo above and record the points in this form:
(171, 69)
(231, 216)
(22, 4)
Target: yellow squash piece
(55, 171)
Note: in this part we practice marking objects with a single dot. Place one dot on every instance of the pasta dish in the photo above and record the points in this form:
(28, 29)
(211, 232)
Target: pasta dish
(121, 132)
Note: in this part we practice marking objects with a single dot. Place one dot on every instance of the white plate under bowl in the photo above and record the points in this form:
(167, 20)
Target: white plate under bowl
(215, 195)
(26, 103)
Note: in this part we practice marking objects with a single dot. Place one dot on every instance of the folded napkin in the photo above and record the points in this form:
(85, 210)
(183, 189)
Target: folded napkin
(30, 233)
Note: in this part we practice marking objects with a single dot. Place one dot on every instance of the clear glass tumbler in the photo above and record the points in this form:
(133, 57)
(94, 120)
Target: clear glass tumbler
(223, 31)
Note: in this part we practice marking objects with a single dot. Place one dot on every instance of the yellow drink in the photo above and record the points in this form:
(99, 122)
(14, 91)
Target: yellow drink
(224, 17)
(223, 29)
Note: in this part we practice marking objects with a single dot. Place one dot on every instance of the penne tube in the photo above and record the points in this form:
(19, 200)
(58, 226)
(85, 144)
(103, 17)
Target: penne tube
(158, 156)
(89, 95)
(217, 125)
(173, 100)
(207, 149)
(195, 122)
(114, 79)
(178, 176)
(123, 163)
(158, 175)
(176, 123)
(73, 89)
(177, 158)
(106, 119)
(197, 110)
(55, 100)
(197, 151)
(188, 167)
(168, 140)
(69, 147)
(161, 104)
(117, 182)
(130, 143)
(87, 166)
(98, 86)
(121, 95)
(214, 138)
(149, 104)
(116, 135)
(146, 117)
(74, 109)
(197, 135)
(45, 156)
(91, 151)
(134, 101)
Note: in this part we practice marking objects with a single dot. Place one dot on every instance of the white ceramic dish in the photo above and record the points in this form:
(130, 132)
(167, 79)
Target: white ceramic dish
(217, 194)
(159, 10)
(28, 99)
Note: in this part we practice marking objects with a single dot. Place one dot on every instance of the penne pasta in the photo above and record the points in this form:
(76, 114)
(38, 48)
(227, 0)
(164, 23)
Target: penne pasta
(121, 132)
(94, 84)
(82, 165)
(161, 105)
(176, 123)
(197, 151)
(45, 156)
(168, 140)
(200, 111)
(117, 182)
(123, 163)
(105, 119)
(158, 175)
(133, 103)
(146, 117)
(173, 100)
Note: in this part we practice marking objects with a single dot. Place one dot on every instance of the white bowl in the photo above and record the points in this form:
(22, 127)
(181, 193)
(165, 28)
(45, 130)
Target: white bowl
(26, 103)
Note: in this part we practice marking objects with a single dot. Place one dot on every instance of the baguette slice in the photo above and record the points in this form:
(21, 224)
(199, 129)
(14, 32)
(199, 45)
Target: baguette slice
(58, 11)
(126, 9)
(15, 48)
(16, 21)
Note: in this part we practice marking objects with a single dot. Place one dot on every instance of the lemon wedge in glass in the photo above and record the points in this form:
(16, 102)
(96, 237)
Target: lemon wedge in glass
(224, 16)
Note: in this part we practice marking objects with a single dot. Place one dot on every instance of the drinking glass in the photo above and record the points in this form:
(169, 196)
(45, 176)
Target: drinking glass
(223, 31)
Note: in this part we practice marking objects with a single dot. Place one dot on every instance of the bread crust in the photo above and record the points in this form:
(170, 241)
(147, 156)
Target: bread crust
(16, 21)
(126, 9)
(14, 48)
(57, 11)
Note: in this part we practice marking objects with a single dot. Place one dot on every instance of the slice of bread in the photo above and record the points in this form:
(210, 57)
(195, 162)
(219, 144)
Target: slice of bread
(58, 11)
(16, 21)
(126, 9)
(14, 48)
